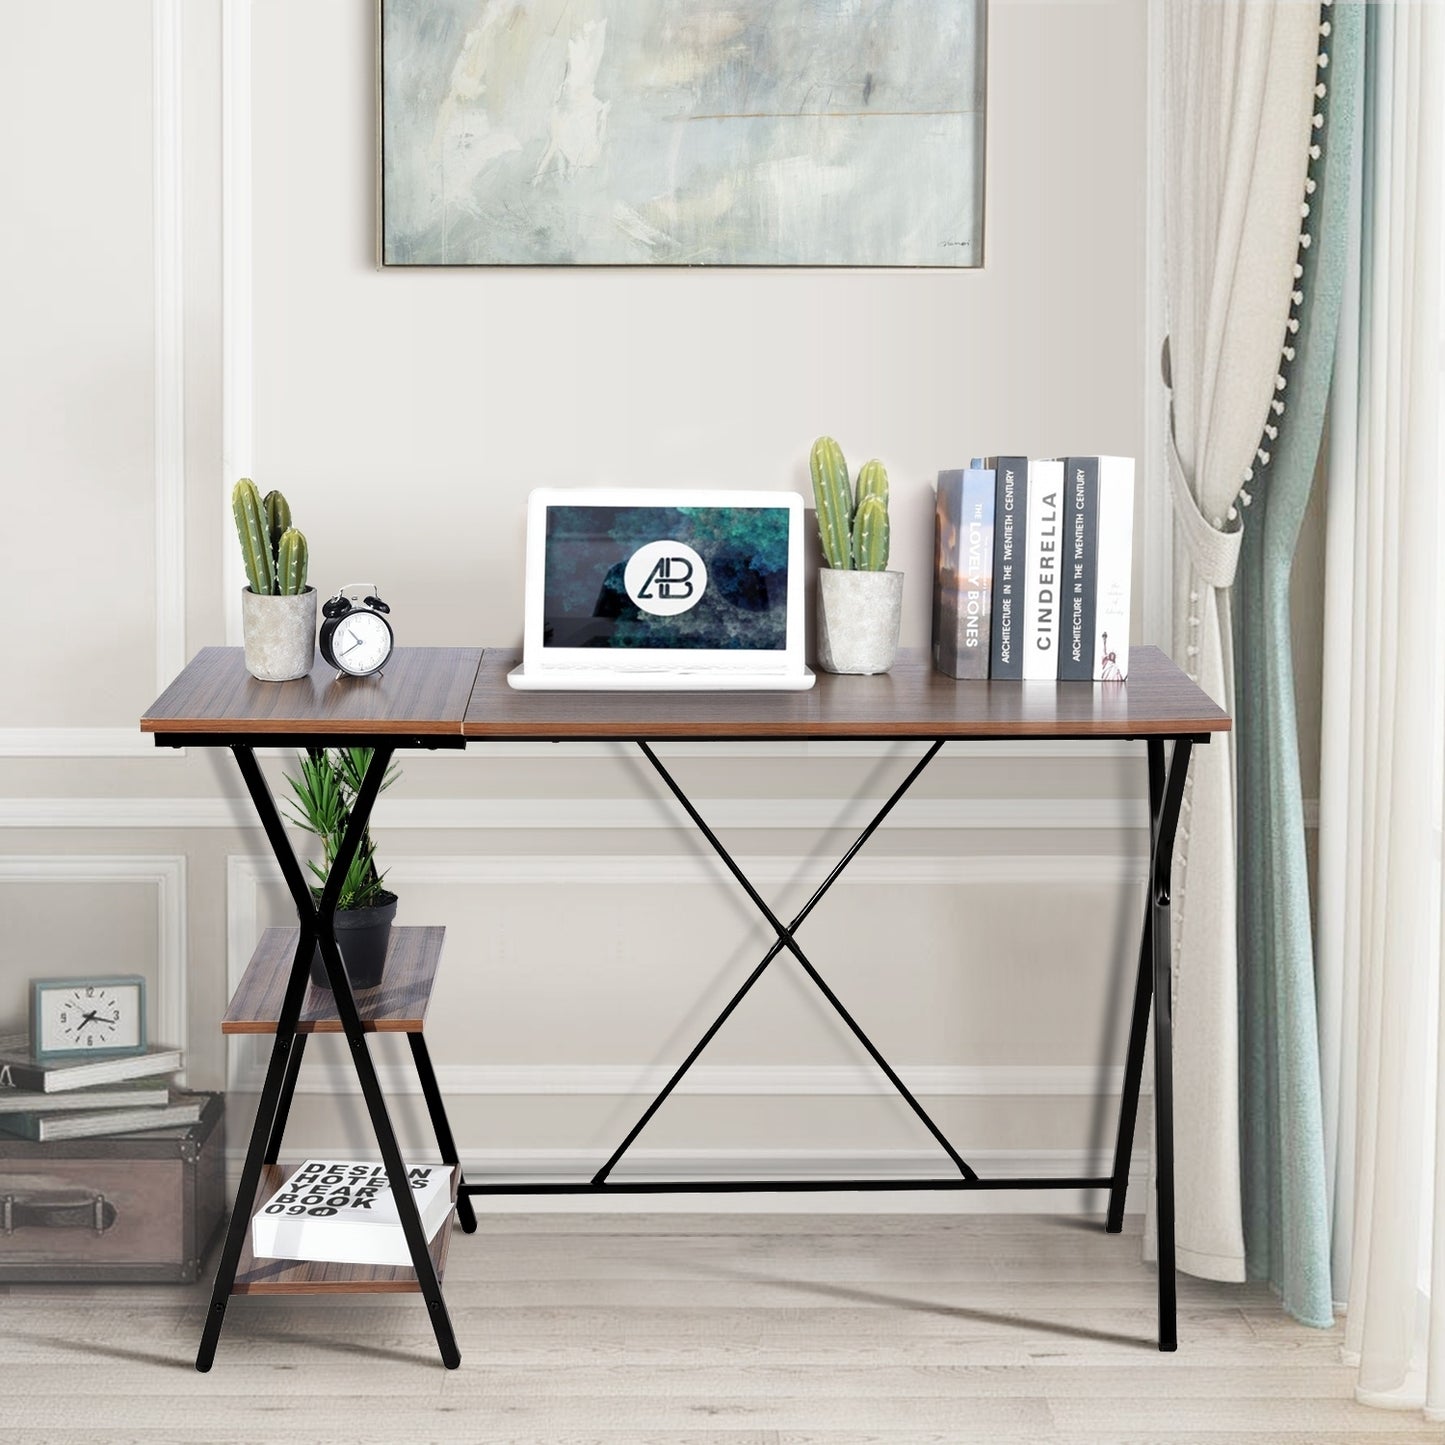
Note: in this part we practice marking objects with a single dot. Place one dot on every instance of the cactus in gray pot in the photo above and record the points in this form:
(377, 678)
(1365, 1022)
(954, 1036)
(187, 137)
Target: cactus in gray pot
(852, 523)
(274, 552)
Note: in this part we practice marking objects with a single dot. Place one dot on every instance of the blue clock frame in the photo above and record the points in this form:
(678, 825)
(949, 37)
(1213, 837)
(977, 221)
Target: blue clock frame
(40, 986)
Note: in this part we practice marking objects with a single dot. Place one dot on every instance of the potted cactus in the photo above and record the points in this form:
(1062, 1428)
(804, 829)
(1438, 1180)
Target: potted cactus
(860, 602)
(278, 609)
(323, 797)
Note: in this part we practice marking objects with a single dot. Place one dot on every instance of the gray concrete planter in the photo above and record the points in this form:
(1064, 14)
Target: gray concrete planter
(280, 634)
(859, 614)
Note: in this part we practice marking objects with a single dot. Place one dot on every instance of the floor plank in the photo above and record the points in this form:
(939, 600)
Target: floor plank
(699, 1330)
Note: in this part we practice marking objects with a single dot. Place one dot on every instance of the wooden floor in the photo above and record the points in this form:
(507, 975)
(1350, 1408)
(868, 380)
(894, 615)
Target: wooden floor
(703, 1328)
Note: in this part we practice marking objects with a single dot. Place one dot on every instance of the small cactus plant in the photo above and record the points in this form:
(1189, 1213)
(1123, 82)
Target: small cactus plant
(273, 550)
(852, 523)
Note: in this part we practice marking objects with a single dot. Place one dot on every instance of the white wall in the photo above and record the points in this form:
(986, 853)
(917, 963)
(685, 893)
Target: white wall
(406, 415)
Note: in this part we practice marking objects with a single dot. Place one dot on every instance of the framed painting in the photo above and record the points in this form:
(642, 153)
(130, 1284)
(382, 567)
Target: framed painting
(681, 133)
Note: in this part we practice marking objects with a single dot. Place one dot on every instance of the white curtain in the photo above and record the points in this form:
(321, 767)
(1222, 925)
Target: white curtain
(1379, 864)
(1239, 97)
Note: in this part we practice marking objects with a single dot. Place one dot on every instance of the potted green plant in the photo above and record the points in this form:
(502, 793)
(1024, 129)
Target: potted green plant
(324, 796)
(278, 609)
(860, 602)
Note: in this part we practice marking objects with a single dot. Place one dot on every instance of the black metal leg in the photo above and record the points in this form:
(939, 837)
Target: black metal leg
(346, 1009)
(787, 940)
(317, 922)
(1143, 993)
(1164, 1039)
(466, 1215)
(288, 1089)
(281, 1050)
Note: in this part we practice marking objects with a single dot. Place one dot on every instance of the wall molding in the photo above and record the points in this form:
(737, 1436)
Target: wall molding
(247, 875)
(610, 814)
(543, 1164)
(731, 1081)
(166, 873)
(237, 321)
(168, 324)
(63, 742)
(168, 193)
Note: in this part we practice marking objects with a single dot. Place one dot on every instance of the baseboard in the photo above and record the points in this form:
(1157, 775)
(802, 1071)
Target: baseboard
(566, 1164)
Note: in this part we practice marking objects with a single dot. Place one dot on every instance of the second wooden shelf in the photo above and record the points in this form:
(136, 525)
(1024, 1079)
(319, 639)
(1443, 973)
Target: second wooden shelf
(396, 1005)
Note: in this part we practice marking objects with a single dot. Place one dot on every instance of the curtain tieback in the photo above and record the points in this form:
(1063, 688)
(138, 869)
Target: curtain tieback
(1214, 554)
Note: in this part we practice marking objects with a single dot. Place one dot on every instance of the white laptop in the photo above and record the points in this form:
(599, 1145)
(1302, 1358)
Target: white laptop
(664, 589)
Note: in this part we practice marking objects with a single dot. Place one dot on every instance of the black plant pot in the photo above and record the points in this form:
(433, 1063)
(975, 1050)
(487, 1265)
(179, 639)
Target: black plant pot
(362, 935)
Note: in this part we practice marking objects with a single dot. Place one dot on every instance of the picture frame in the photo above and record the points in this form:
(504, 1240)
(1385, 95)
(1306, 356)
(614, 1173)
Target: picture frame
(850, 141)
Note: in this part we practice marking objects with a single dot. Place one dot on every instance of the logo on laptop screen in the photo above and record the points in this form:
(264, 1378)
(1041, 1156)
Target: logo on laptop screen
(665, 578)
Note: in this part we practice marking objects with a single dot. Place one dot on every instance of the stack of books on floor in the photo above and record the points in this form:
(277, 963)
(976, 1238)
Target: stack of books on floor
(121, 1094)
(1033, 561)
(341, 1211)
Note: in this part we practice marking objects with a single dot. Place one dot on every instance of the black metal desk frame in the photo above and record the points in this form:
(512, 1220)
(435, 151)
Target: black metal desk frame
(316, 919)
(317, 928)
(1153, 984)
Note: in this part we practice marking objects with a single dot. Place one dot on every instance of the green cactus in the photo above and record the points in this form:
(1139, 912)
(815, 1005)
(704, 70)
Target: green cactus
(278, 518)
(872, 482)
(834, 499)
(291, 563)
(870, 535)
(255, 537)
(856, 539)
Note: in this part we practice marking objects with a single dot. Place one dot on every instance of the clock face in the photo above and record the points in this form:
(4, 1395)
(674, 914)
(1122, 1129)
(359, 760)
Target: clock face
(361, 642)
(102, 1015)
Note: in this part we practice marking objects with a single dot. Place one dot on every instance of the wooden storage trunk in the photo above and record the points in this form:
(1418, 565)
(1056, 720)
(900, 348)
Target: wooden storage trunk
(134, 1207)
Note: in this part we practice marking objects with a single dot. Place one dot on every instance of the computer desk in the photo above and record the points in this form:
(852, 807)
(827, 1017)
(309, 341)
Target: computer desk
(457, 697)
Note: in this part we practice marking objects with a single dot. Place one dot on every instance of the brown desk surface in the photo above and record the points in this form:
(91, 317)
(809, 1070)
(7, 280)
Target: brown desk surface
(455, 692)
(422, 692)
(911, 701)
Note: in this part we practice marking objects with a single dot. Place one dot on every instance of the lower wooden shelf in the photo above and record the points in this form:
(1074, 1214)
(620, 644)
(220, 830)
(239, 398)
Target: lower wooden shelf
(310, 1276)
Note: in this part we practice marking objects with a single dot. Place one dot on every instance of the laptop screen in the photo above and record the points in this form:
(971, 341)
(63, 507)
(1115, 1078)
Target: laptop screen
(695, 578)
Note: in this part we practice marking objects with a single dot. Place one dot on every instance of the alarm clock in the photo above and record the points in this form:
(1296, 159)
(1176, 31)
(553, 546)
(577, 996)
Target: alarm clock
(356, 639)
(94, 1015)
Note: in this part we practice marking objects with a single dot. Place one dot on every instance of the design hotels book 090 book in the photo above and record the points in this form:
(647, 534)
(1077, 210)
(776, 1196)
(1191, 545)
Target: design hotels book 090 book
(341, 1211)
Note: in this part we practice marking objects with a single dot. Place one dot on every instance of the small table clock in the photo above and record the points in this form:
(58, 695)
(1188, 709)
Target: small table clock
(356, 639)
(70, 1017)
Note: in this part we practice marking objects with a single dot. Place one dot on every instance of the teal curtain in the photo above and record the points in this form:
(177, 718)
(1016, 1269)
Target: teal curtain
(1286, 1211)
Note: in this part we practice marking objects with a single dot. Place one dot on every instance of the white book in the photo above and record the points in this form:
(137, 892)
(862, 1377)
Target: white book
(342, 1211)
(1041, 571)
(1116, 568)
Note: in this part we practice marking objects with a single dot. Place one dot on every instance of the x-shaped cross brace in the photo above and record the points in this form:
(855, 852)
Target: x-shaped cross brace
(786, 939)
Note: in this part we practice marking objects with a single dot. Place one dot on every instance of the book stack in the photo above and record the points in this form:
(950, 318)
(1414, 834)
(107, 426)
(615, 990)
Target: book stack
(1033, 561)
(341, 1211)
(122, 1094)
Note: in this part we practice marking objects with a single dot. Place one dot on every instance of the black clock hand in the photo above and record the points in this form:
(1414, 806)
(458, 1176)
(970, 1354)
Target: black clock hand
(357, 643)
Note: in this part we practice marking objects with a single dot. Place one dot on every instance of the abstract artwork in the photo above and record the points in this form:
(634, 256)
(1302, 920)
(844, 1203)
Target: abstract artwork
(674, 132)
